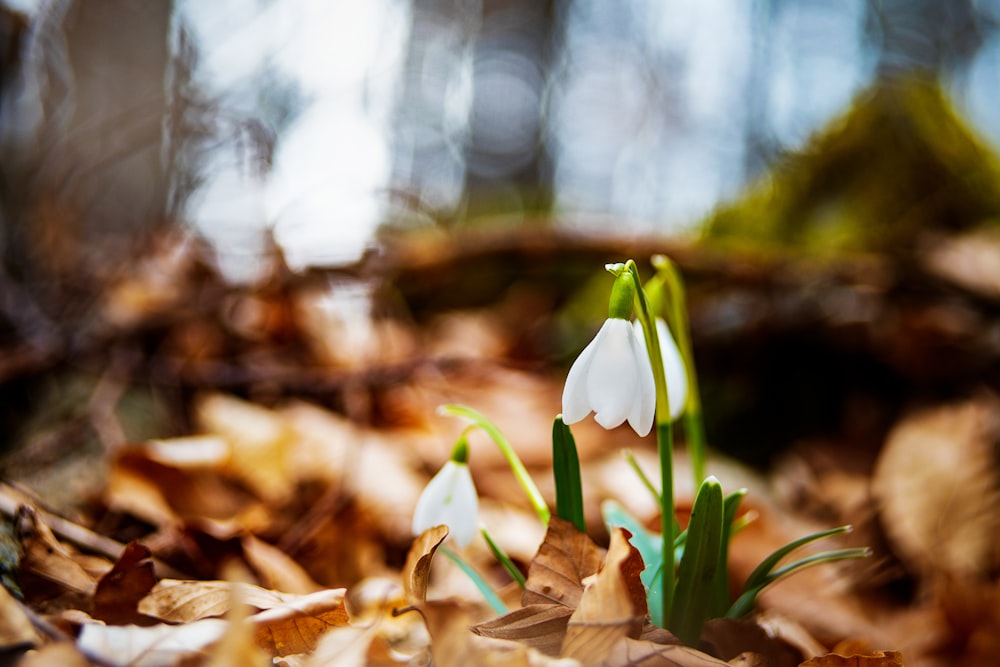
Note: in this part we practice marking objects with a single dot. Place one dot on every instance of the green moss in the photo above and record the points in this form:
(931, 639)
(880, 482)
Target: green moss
(900, 162)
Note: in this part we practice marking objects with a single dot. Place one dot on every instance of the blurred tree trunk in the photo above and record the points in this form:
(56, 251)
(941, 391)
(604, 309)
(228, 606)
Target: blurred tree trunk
(83, 174)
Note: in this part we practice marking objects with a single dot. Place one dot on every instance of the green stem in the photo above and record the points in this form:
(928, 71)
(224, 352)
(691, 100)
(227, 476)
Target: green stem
(513, 460)
(694, 423)
(664, 439)
(646, 482)
(491, 597)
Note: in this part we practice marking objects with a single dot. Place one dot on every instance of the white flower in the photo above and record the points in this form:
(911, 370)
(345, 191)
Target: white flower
(673, 366)
(450, 499)
(612, 377)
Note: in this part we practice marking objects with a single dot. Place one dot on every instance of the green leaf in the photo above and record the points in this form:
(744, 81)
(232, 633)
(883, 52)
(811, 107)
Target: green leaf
(720, 586)
(696, 573)
(762, 571)
(504, 559)
(745, 602)
(566, 469)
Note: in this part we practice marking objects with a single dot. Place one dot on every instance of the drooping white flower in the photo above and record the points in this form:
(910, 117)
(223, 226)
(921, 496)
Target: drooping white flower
(613, 378)
(449, 498)
(673, 366)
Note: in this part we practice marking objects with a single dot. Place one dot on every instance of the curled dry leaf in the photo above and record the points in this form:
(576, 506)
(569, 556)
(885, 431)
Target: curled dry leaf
(45, 557)
(296, 627)
(155, 646)
(417, 569)
(119, 591)
(540, 626)
(563, 561)
(937, 488)
(611, 608)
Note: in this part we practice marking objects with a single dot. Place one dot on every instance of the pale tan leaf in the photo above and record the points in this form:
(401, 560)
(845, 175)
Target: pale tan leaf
(628, 652)
(563, 561)
(540, 626)
(275, 569)
(154, 646)
(181, 601)
(62, 654)
(612, 606)
(937, 489)
(260, 440)
(237, 647)
(15, 628)
(416, 571)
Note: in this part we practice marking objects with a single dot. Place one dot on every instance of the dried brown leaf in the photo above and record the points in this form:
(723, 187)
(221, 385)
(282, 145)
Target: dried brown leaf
(45, 557)
(275, 569)
(178, 601)
(296, 626)
(628, 652)
(417, 569)
(611, 608)
(452, 645)
(727, 638)
(563, 561)
(937, 489)
(119, 591)
(62, 654)
(154, 646)
(540, 626)
(875, 659)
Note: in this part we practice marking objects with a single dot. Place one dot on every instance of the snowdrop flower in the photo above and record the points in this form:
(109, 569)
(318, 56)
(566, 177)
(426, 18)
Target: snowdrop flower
(673, 366)
(450, 498)
(612, 376)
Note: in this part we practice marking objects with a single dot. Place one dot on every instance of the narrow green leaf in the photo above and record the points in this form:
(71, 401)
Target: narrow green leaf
(566, 469)
(484, 589)
(720, 585)
(504, 559)
(745, 602)
(695, 576)
(761, 572)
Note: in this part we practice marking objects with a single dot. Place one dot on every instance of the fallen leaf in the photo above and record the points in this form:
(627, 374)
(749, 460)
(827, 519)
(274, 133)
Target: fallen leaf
(563, 561)
(628, 652)
(237, 648)
(937, 489)
(45, 557)
(611, 608)
(275, 569)
(296, 626)
(452, 645)
(727, 638)
(118, 592)
(15, 627)
(61, 654)
(154, 646)
(182, 601)
(540, 626)
(875, 659)
(417, 569)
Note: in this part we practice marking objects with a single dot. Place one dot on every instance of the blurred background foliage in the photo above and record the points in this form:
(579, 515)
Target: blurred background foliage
(289, 134)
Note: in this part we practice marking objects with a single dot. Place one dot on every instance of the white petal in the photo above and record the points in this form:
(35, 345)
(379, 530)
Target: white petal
(644, 408)
(450, 499)
(576, 404)
(613, 378)
(673, 369)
